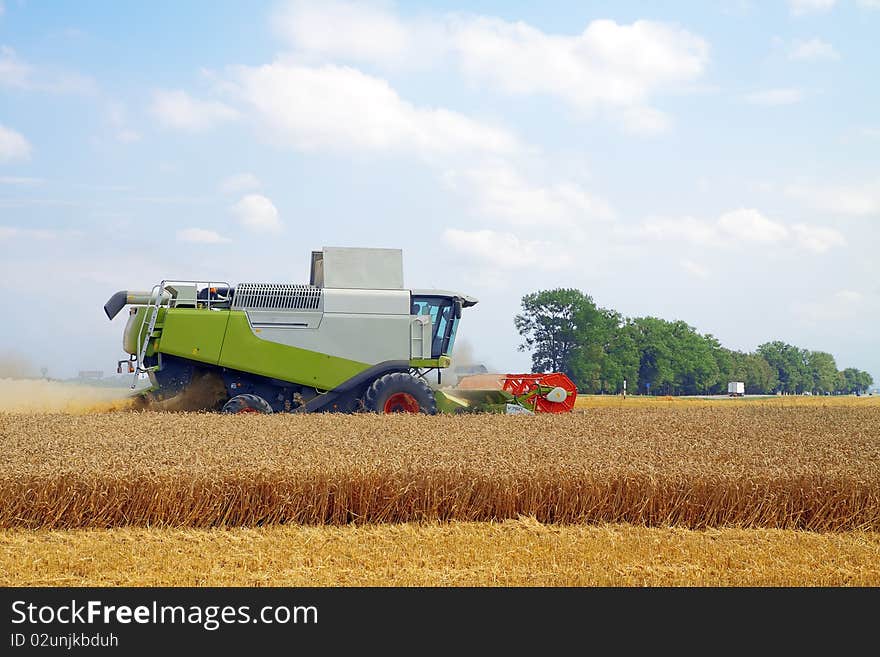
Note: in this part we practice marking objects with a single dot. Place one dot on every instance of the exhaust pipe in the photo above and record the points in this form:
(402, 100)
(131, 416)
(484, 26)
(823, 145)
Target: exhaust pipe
(125, 297)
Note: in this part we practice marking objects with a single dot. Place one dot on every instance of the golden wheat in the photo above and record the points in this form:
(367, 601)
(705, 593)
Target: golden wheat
(510, 553)
(736, 465)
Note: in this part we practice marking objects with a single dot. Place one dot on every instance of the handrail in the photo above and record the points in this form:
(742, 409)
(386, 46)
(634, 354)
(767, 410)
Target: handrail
(158, 298)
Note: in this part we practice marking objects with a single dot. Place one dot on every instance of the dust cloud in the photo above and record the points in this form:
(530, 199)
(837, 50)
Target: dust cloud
(15, 366)
(468, 371)
(46, 396)
(22, 389)
(206, 393)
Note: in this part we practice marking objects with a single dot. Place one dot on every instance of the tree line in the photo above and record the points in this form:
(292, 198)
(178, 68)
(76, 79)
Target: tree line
(599, 349)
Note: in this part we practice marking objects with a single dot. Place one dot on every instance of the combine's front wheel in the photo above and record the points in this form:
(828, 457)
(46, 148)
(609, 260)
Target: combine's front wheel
(400, 393)
(246, 404)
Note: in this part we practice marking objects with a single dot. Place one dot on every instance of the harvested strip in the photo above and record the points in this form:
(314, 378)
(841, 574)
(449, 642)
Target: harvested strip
(512, 553)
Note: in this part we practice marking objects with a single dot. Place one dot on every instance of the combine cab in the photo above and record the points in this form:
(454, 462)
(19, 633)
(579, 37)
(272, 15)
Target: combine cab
(352, 339)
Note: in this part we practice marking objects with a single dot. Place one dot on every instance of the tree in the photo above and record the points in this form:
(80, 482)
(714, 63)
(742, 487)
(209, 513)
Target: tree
(760, 378)
(865, 381)
(693, 362)
(731, 366)
(552, 325)
(607, 355)
(654, 341)
(790, 363)
(823, 371)
(599, 349)
(622, 359)
(854, 381)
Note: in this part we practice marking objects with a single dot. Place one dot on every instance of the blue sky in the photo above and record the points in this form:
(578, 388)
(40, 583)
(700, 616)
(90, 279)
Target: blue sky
(715, 162)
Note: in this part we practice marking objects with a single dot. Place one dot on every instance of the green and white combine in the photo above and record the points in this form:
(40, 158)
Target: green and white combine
(352, 339)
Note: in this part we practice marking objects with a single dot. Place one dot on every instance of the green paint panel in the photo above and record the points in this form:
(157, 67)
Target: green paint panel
(242, 350)
(130, 342)
(193, 333)
(129, 337)
(443, 361)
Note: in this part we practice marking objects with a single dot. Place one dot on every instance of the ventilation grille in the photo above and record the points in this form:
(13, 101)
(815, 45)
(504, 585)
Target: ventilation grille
(277, 296)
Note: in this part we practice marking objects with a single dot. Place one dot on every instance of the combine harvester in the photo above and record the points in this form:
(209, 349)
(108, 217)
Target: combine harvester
(353, 339)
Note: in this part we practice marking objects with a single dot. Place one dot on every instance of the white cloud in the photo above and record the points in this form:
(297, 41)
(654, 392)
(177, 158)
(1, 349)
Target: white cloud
(17, 74)
(773, 97)
(848, 296)
(240, 182)
(740, 226)
(257, 213)
(855, 200)
(177, 109)
(357, 31)
(200, 235)
(13, 71)
(13, 146)
(38, 203)
(870, 132)
(341, 108)
(117, 117)
(20, 180)
(505, 250)
(803, 7)
(67, 83)
(644, 121)
(737, 7)
(686, 229)
(842, 305)
(813, 50)
(816, 238)
(9, 232)
(695, 269)
(607, 63)
(749, 225)
(607, 66)
(126, 136)
(500, 192)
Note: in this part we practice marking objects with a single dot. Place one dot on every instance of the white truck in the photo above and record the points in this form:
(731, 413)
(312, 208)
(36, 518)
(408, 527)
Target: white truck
(736, 389)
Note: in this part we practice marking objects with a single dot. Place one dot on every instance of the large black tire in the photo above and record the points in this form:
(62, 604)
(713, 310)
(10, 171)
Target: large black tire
(246, 403)
(400, 393)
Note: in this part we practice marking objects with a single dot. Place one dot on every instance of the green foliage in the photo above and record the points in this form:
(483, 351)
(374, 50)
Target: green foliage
(791, 364)
(851, 381)
(552, 327)
(599, 349)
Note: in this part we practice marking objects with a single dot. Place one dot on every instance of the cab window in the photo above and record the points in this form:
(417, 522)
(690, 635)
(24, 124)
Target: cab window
(443, 321)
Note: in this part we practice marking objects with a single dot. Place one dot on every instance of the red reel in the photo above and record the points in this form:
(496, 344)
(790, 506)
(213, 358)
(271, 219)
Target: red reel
(533, 391)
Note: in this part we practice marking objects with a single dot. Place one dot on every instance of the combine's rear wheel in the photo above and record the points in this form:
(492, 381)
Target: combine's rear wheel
(400, 393)
(246, 404)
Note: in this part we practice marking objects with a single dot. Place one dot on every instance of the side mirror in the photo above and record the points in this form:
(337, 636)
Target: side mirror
(458, 309)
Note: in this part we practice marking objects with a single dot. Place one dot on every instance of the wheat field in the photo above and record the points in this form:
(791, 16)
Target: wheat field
(518, 552)
(634, 492)
(725, 465)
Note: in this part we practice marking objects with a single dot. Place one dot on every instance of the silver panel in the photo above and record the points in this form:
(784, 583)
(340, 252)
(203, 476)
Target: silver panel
(360, 268)
(277, 296)
(284, 319)
(420, 336)
(380, 302)
(467, 300)
(364, 338)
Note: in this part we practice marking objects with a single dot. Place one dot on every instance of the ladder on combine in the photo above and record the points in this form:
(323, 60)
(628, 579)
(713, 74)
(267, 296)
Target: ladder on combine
(156, 297)
(162, 295)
